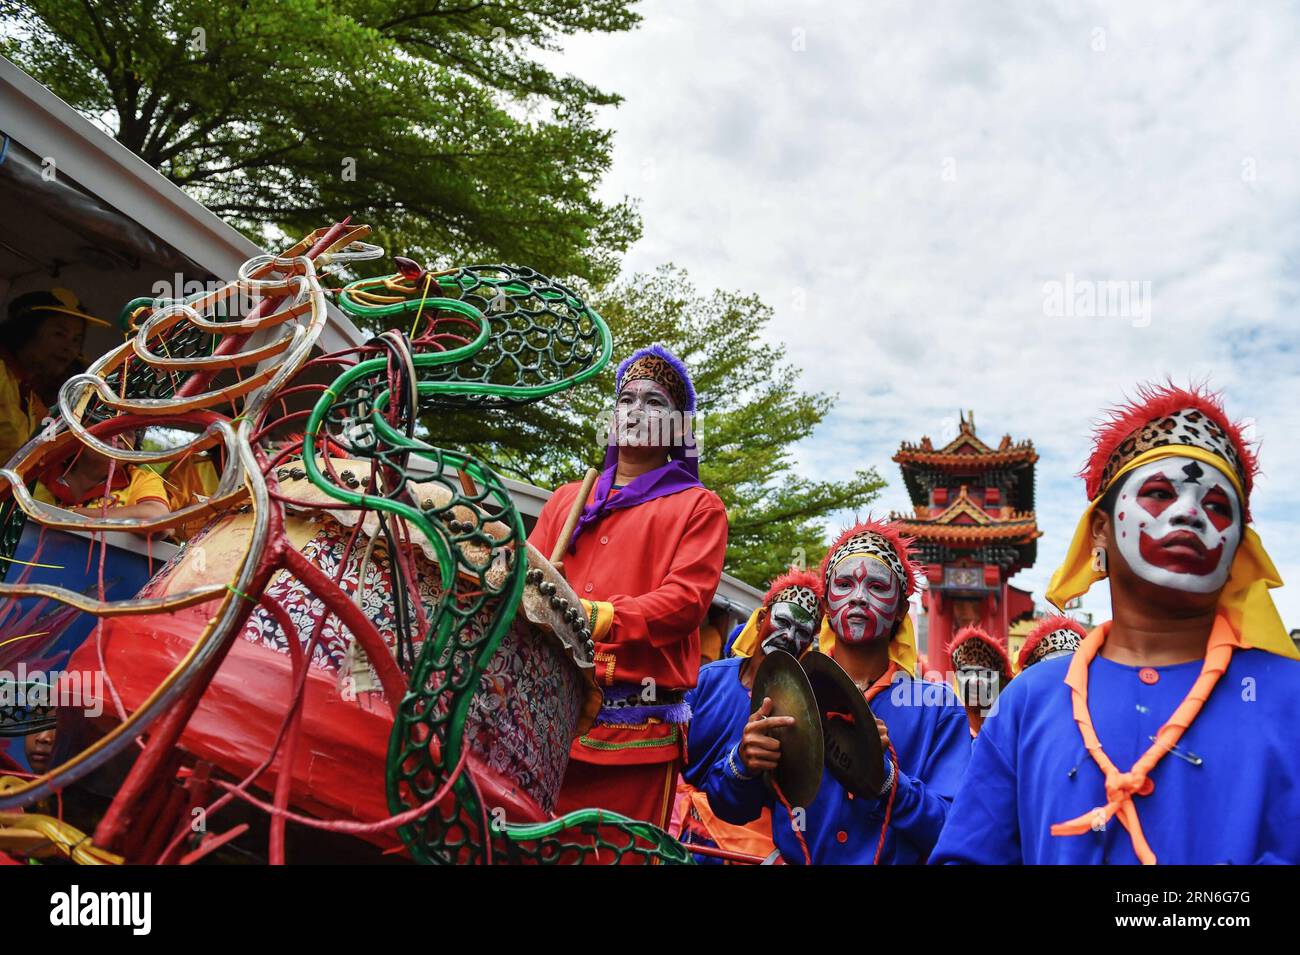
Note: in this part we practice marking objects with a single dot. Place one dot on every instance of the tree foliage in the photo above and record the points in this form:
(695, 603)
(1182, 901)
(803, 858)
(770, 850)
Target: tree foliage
(433, 121)
(752, 416)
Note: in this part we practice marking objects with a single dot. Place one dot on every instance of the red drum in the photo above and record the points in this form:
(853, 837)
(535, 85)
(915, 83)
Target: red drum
(535, 696)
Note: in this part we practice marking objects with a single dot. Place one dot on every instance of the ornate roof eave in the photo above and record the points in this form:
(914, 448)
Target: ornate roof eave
(1022, 455)
(965, 450)
(969, 535)
(963, 506)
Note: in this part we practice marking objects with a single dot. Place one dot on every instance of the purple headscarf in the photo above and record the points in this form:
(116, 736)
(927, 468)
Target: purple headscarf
(682, 471)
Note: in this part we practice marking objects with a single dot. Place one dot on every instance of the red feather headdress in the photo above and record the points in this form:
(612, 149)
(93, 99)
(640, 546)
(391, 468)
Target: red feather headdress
(1168, 415)
(803, 579)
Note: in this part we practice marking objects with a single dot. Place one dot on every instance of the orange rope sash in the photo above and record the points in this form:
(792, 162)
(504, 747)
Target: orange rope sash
(1122, 787)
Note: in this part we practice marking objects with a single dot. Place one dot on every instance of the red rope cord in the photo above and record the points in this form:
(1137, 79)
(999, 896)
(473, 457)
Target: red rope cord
(889, 806)
(347, 826)
(798, 832)
(284, 778)
(272, 752)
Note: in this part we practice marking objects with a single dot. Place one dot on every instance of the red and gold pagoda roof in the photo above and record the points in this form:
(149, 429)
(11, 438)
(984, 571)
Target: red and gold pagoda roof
(966, 456)
(963, 523)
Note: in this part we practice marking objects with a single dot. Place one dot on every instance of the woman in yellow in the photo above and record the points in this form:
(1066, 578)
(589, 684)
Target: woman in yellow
(40, 345)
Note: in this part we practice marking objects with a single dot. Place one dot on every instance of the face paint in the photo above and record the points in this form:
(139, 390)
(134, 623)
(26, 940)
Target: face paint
(978, 686)
(1178, 524)
(644, 415)
(864, 600)
(791, 629)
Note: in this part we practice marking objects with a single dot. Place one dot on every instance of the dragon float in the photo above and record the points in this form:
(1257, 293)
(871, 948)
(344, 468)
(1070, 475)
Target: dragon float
(355, 635)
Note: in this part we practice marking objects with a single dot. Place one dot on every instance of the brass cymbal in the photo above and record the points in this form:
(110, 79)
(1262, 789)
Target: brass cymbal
(854, 755)
(799, 773)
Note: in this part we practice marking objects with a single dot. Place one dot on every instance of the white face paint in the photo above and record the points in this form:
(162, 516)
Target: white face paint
(864, 600)
(792, 629)
(978, 686)
(644, 416)
(1178, 524)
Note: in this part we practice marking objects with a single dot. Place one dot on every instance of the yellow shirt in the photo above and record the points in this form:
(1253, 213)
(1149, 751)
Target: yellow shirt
(188, 482)
(20, 414)
(144, 485)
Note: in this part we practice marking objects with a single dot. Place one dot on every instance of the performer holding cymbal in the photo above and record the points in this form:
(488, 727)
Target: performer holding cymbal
(981, 669)
(788, 620)
(867, 577)
(646, 558)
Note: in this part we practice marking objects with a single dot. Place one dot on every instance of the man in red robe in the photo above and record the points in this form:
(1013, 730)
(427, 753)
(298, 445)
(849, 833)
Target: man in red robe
(646, 558)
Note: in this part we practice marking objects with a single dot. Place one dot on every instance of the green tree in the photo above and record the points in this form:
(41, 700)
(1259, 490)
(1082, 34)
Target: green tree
(752, 416)
(430, 120)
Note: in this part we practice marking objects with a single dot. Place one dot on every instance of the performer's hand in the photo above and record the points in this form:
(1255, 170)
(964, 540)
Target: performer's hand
(760, 751)
(883, 730)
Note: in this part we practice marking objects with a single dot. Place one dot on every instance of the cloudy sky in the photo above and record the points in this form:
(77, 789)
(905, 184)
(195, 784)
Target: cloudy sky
(901, 182)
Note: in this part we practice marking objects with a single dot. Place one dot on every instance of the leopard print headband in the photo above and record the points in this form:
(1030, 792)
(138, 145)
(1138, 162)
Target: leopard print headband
(800, 596)
(977, 653)
(1064, 640)
(868, 542)
(655, 369)
(1185, 427)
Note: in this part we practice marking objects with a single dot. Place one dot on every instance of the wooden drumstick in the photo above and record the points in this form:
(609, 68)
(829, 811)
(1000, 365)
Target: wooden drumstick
(579, 502)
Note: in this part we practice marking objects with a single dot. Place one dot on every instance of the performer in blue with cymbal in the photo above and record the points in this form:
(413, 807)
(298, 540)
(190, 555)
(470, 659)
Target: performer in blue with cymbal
(867, 577)
(788, 620)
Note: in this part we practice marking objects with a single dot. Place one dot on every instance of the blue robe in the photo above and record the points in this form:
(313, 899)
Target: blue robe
(719, 710)
(1030, 769)
(928, 728)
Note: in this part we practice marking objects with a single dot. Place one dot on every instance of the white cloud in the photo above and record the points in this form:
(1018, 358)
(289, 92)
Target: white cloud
(921, 170)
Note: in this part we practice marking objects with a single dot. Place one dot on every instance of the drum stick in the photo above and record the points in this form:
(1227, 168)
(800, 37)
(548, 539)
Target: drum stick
(728, 854)
(579, 502)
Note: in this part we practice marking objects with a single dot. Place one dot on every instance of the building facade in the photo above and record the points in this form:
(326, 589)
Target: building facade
(975, 528)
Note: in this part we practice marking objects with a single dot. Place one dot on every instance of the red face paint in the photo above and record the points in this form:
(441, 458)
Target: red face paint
(1185, 528)
(863, 600)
